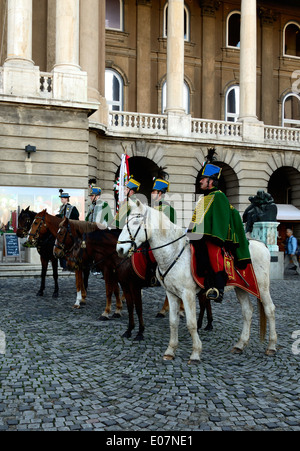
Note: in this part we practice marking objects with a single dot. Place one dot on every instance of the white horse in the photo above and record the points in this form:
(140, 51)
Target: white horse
(171, 250)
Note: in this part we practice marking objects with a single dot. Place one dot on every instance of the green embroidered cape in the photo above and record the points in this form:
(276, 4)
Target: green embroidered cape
(215, 219)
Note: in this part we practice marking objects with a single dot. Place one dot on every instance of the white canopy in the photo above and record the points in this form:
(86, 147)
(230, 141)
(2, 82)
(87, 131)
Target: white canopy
(288, 212)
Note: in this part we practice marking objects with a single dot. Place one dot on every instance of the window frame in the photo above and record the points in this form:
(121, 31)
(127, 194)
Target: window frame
(187, 98)
(110, 102)
(227, 30)
(187, 37)
(236, 115)
(121, 28)
(284, 121)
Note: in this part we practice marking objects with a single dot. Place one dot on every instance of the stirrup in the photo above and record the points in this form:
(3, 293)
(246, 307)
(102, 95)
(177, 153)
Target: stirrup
(213, 294)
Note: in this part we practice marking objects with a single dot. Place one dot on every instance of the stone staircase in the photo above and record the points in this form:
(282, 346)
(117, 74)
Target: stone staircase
(26, 270)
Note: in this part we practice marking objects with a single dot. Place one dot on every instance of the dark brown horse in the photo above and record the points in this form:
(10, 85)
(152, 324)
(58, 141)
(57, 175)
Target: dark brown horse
(67, 244)
(99, 248)
(44, 225)
(44, 247)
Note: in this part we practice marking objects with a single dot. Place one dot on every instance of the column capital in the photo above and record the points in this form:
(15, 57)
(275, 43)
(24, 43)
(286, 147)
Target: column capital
(267, 16)
(209, 7)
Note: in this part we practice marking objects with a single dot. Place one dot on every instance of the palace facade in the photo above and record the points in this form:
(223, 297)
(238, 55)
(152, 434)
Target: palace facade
(83, 80)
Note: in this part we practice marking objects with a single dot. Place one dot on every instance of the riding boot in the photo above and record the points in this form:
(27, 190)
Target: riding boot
(216, 291)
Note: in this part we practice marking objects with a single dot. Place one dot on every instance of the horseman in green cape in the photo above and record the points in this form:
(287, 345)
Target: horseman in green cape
(216, 228)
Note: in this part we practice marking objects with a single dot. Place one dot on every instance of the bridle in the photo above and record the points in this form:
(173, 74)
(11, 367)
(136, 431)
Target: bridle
(62, 245)
(131, 241)
(134, 248)
(35, 235)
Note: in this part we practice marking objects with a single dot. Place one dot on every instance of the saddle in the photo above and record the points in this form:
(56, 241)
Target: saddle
(144, 264)
(242, 278)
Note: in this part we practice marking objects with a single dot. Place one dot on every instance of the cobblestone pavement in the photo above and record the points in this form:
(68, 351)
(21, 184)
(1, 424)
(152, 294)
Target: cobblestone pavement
(65, 370)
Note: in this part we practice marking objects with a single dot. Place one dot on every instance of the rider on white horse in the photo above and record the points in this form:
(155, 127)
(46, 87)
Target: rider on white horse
(216, 227)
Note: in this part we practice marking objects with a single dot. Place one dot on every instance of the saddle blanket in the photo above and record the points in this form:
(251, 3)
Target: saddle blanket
(249, 283)
(140, 262)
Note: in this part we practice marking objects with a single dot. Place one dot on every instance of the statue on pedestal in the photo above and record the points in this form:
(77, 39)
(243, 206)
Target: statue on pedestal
(262, 209)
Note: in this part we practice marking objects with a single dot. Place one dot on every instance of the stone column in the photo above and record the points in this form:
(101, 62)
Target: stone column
(19, 33)
(20, 76)
(69, 82)
(175, 57)
(143, 56)
(248, 57)
(267, 66)
(209, 8)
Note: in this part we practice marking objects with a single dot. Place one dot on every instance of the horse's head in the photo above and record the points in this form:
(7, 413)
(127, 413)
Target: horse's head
(134, 232)
(64, 239)
(25, 220)
(38, 229)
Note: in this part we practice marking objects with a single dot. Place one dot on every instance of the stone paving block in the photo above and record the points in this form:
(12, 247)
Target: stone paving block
(65, 370)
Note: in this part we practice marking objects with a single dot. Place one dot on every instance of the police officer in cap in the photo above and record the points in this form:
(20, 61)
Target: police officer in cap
(67, 210)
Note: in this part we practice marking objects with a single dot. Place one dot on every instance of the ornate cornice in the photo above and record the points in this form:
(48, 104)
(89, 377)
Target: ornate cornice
(267, 16)
(209, 7)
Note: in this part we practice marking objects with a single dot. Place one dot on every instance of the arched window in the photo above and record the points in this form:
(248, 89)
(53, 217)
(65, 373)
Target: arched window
(233, 29)
(232, 104)
(114, 14)
(186, 23)
(114, 90)
(291, 111)
(186, 97)
(291, 39)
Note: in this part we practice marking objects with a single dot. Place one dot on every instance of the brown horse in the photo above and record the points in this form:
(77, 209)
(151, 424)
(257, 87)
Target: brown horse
(43, 225)
(67, 241)
(100, 249)
(44, 248)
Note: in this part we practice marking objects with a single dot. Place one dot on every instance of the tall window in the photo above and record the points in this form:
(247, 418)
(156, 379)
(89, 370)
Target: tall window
(114, 90)
(114, 14)
(291, 111)
(291, 39)
(186, 23)
(186, 98)
(233, 29)
(232, 104)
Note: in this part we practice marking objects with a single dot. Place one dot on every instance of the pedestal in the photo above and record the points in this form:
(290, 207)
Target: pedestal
(267, 233)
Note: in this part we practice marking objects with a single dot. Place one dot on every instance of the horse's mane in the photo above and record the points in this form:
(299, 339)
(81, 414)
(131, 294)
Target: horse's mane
(165, 224)
(86, 226)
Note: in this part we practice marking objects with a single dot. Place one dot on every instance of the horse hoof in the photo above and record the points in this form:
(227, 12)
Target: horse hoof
(168, 357)
(55, 295)
(209, 327)
(77, 307)
(40, 293)
(116, 315)
(194, 362)
(270, 352)
(103, 318)
(83, 303)
(236, 351)
(160, 315)
(126, 334)
(139, 337)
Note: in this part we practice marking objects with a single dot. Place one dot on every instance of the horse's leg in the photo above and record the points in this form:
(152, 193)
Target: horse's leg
(209, 315)
(174, 322)
(164, 310)
(83, 290)
(79, 289)
(247, 311)
(130, 308)
(44, 263)
(119, 305)
(86, 274)
(137, 295)
(189, 303)
(55, 277)
(109, 291)
(204, 305)
(269, 311)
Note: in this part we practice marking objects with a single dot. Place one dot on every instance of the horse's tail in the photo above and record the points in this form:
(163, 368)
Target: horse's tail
(262, 320)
